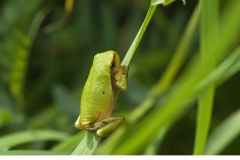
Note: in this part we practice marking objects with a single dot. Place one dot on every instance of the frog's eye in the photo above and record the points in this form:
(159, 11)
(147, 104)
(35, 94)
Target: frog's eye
(113, 65)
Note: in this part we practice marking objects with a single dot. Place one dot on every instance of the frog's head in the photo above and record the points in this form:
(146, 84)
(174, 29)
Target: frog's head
(115, 62)
(107, 61)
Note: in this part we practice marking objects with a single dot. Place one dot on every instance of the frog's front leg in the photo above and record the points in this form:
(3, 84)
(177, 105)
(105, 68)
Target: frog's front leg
(122, 83)
(106, 126)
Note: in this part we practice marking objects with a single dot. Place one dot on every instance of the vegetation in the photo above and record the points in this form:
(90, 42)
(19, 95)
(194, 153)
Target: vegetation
(183, 94)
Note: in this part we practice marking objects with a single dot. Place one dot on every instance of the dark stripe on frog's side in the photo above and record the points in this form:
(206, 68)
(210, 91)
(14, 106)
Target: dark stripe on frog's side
(113, 80)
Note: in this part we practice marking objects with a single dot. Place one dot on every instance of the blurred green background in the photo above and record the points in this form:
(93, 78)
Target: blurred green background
(46, 51)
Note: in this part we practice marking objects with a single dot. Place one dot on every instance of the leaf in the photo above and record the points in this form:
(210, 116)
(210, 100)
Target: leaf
(30, 136)
(32, 152)
(70, 143)
(224, 134)
(209, 36)
(164, 2)
(138, 37)
(157, 141)
(171, 108)
(87, 145)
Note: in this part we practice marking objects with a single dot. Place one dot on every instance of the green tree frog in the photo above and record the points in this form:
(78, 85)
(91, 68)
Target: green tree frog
(100, 93)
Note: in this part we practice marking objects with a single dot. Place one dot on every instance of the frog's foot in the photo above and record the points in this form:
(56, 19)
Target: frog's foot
(125, 70)
(106, 126)
(95, 127)
(78, 124)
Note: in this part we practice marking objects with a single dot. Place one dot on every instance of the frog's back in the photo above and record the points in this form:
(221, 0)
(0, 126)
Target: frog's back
(98, 96)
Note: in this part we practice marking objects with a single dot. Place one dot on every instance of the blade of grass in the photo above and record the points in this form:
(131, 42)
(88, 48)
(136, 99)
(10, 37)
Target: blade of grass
(230, 72)
(141, 31)
(153, 147)
(172, 107)
(87, 145)
(176, 102)
(70, 143)
(172, 69)
(225, 70)
(209, 36)
(164, 2)
(32, 152)
(224, 134)
(138, 37)
(133, 141)
(30, 136)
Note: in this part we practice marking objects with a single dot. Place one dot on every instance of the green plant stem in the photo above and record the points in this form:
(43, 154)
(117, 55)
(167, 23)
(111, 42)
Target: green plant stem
(209, 36)
(138, 37)
(87, 145)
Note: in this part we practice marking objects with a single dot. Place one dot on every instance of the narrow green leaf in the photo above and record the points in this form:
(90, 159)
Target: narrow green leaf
(155, 144)
(230, 72)
(172, 107)
(87, 145)
(70, 143)
(209, 37)
(156, 2)
(169, 109)
(223, 70)
(30, 136)
(164, 2)
(138, 37)
(179, 55)
(224, 134)
(175, 102)
(174, 66)
(32, 152)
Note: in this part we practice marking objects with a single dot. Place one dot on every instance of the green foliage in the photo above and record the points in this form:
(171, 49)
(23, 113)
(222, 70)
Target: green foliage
(208, 40)
(184, 54)
(88, 144)
(14, 139)
(224, 134)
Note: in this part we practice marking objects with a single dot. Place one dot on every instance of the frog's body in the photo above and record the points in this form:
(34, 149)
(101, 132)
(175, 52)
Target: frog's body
(100, 93)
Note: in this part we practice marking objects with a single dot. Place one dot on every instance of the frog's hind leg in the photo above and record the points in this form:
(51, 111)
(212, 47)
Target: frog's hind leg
(85, 122)
(94, 128)
(89, 121)
(78, 124)
(107, 125)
